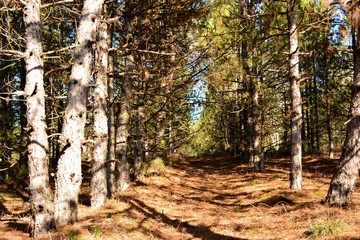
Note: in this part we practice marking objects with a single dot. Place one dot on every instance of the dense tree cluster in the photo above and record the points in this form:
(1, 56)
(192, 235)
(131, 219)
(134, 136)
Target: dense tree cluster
(106, 86)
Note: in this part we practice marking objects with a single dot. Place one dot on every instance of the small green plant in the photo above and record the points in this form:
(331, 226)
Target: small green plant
(155, 167)
(73, 235)
(96, 231)
(319, 193)
(323, 228)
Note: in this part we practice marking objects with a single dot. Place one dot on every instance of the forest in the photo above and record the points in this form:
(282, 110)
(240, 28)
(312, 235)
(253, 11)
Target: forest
(179, 119)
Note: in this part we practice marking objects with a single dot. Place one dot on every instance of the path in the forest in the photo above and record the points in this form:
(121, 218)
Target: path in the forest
(219, 198)
(210, 198)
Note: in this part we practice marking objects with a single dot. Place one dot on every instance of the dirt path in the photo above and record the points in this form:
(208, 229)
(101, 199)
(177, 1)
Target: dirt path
(217, 198)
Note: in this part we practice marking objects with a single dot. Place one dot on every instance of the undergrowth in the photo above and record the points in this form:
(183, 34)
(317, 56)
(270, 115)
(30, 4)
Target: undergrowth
(323, 228)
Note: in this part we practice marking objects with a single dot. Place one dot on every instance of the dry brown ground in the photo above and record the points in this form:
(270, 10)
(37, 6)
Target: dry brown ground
(206, 198)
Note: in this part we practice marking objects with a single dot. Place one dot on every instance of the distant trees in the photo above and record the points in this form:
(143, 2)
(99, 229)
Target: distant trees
(250, 63)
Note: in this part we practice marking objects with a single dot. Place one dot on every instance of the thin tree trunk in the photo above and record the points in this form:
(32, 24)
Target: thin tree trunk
(347, 171)
(23, 121)
(40, 191)
(110, 167)
(316, 109)
(122, 134)
(161, 123)
(285, 143)
(296, 112)
(256, 160)
(328, 115)
(68, 177)
(139, 154)
(98, 171)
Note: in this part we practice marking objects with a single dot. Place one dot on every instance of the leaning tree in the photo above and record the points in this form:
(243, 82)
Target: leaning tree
(347, 171)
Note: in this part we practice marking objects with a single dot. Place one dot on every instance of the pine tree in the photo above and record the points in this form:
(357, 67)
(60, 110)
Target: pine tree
(41, 198)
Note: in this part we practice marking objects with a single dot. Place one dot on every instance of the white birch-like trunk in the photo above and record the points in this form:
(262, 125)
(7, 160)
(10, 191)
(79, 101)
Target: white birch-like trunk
(98, 168)
(68, 177)
(296, 102)
(40, 192)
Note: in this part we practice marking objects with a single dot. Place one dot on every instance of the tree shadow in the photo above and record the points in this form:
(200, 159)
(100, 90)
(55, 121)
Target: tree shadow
(202, 232)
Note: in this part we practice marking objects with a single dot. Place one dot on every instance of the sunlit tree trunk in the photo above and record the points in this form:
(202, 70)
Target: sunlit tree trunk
(296, 102)
(38, 161)
(68, 177)
(256, 160)
(98, 168)
(347, 171)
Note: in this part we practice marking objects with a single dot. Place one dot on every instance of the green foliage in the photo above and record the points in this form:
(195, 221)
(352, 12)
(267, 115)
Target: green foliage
(96, 231)
(154, 167)
(73, 235)
(206, 135)
(324, 228)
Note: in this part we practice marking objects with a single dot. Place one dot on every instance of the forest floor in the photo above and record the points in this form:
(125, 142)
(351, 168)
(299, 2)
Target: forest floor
(207, 198)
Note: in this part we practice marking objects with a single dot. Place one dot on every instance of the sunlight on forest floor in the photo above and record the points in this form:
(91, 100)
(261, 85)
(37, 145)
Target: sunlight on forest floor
(207, 198)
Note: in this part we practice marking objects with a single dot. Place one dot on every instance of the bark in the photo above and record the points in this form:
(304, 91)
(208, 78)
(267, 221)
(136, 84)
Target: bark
(316, 109)
(285, 143)
(161, 125)
(38, 161)
(328, 117)
(122, 134)
(110, 167)
(98, 171)
(296, 102)
(68, 177)
(139, 154)
(347, 171)
(256, 159)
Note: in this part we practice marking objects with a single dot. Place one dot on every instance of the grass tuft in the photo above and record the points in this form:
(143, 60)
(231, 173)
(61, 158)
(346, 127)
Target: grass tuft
(324, 228)
(96, 231)
(73, 235)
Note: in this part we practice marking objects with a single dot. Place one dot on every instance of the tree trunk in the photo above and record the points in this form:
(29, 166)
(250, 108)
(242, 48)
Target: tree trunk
(122, 134)
(40, 191)
(98, 171)
(296, 112)
(328, 116)
(139, 154)
(347, 171)
(68, 177)
(110, 167)
(256, 160)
